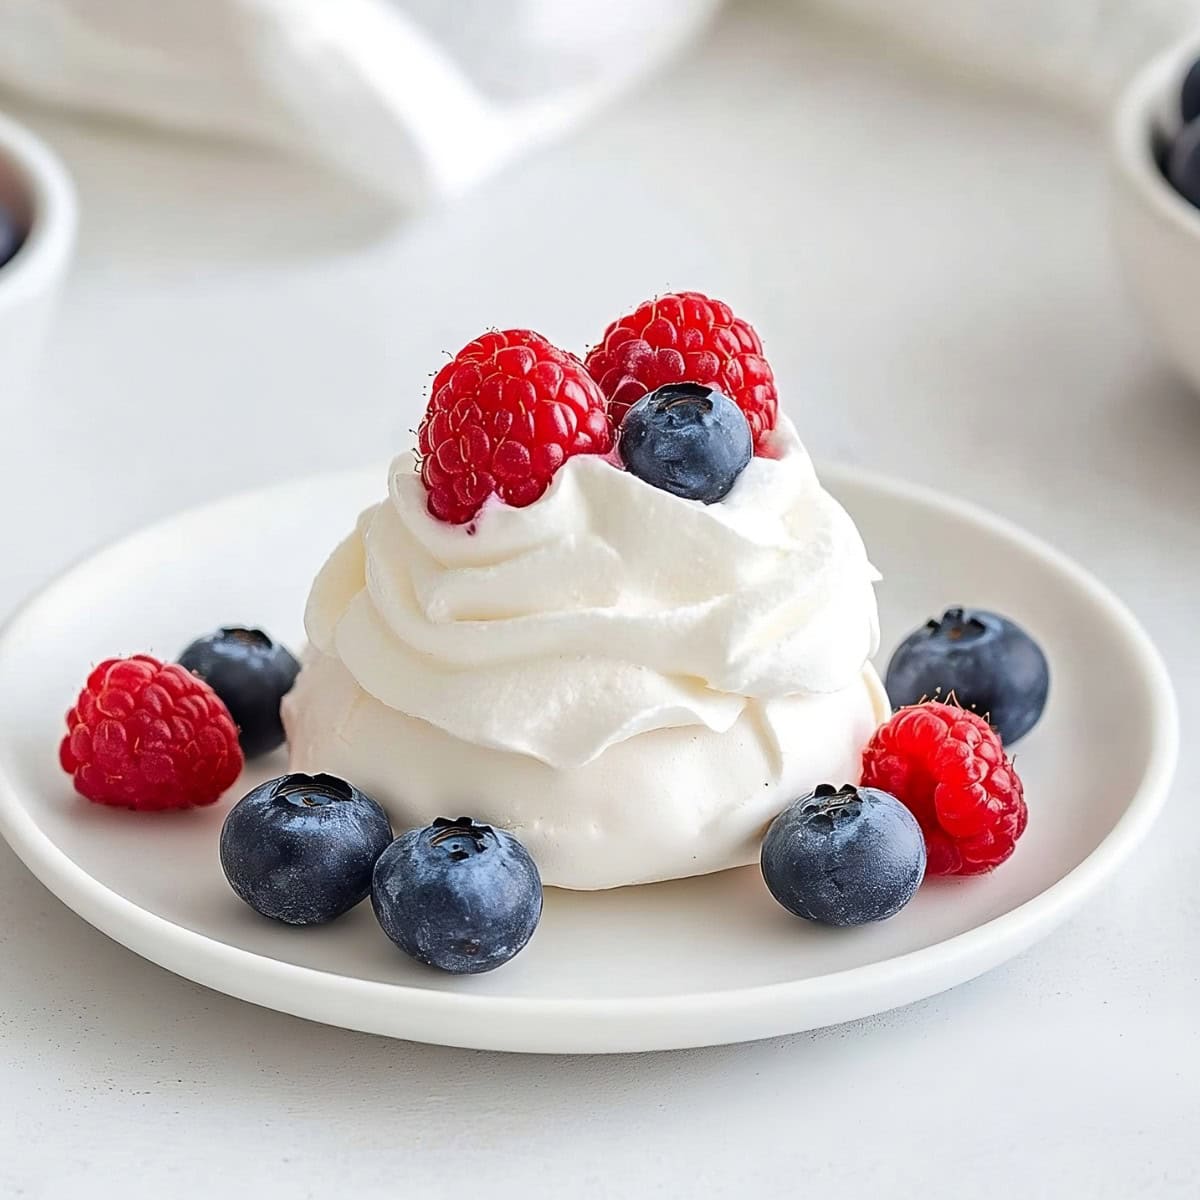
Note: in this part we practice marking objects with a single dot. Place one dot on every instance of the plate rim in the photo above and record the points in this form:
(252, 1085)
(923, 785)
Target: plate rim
(616, 1024)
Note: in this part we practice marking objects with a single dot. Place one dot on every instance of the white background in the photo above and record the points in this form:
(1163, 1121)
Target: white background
(930, 268)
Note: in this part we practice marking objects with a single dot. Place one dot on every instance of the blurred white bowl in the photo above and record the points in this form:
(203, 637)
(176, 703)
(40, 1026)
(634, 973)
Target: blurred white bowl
(1157, 230)
(36, 189)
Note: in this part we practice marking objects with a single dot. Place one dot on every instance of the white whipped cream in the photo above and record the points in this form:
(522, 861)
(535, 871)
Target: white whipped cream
(606, 610)
(633, 683)
(663, 805)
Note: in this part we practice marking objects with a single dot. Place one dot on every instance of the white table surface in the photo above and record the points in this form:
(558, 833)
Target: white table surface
(931, 272)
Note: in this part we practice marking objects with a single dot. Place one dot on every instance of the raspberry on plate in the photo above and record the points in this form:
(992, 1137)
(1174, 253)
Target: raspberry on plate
(504, 415)
(685, 337)
(949, 767)
(149, 735)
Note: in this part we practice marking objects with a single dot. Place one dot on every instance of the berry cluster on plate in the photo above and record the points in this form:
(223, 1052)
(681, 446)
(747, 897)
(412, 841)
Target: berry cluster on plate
(678, 394)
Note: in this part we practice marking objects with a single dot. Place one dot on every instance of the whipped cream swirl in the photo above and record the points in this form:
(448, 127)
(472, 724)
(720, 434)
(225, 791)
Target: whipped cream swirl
(607, 609)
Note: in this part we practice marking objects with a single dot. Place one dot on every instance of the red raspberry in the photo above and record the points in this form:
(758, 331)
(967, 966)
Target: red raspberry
(505, 414)
(948, 766)
(149, 735)
(685, 336)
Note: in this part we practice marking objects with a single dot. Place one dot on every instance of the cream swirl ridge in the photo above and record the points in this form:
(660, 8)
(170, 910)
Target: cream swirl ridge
(607, 609)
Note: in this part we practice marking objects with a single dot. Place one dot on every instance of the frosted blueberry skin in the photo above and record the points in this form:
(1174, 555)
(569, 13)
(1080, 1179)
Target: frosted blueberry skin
(301, 848)
(844, 856)
(252, 673)
(458, 895)
(980, 660)
(686, 439)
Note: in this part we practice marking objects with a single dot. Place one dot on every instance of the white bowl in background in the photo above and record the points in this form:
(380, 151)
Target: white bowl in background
(1157, 230)
(36, 189)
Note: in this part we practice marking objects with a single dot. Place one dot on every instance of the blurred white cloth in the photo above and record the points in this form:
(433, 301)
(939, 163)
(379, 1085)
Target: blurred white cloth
(420, 98)
(412, 97)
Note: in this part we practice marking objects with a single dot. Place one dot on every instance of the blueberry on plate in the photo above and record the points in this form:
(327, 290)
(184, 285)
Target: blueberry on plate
(1189, 94)
(252, 674)
(986, 662)
(11, 236)
(686, 439)
(844, 856)
(1183, 163)
(301, 848)
(458, 895)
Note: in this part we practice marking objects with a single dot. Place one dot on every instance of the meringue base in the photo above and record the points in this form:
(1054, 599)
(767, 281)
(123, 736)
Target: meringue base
(666, 804)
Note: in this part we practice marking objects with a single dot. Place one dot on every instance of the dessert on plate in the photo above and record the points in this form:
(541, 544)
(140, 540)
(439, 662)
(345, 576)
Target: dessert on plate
(608, 609)
(632, 658)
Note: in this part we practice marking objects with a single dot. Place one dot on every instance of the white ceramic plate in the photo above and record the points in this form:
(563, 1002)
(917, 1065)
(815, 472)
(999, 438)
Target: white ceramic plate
(695, 962)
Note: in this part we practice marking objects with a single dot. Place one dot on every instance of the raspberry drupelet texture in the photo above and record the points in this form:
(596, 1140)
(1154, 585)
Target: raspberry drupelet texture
(149, 735)
(949, 768)
(685, 336)
(504, 415)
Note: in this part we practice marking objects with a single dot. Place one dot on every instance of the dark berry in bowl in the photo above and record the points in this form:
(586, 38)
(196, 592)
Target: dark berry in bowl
(1183, 162)
(686, 439)
(458, 895)
(982, 661)
(1189, 94)
(11, 236)
(844, 856)
(252, 673)
(301, 849)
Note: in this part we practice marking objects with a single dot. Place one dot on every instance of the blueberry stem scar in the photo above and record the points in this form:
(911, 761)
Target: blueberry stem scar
(289, 785)
(462, 827)
(676, 394)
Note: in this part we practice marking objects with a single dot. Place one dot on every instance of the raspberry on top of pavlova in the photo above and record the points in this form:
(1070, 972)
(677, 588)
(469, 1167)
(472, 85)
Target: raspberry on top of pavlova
(607, 607)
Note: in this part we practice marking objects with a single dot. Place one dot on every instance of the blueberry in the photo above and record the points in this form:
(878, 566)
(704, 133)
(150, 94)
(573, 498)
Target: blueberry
(1189, 94)
(987, 662)
(1183, 163)
(252, 674)
(686, 439)
(844, 856)
(11, 236)
(458, 895)
(301, 848)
